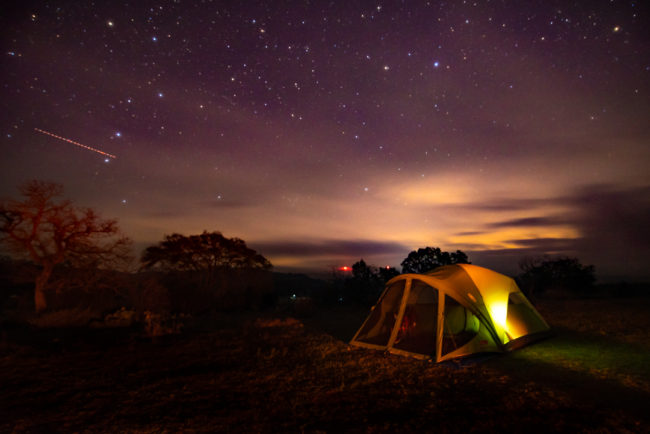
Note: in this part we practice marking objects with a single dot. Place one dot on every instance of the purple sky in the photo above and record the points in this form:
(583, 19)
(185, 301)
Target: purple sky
(326, 132)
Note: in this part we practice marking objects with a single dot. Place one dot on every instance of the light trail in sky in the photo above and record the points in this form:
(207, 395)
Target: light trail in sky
(75, 143)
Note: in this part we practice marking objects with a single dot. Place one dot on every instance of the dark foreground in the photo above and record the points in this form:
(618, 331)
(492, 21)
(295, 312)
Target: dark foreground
(246, 374)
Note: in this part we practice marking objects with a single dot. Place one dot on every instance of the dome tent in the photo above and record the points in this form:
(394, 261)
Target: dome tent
(452, 311)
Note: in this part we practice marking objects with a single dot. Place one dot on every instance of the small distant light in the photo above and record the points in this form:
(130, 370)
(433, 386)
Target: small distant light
(386, 67)
(118, 134)
(123, 200)
(344, 268)
(616, 29)
(160, 95)
(107, 160)
(436, 64)
(110, 23)
(153, 38)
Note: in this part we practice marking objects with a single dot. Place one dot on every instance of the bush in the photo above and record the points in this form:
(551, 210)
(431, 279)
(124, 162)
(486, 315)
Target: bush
(157, 324)
(120, 318)
(74, 317)
(148, 294)
(563, 274)
(303, 307)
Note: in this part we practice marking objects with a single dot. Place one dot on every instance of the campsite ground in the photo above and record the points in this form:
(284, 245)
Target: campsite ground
(249, 373)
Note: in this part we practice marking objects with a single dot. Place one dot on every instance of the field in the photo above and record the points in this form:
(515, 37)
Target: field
(263, 373)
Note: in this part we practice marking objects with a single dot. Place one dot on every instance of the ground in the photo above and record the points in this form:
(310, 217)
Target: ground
(265, 372)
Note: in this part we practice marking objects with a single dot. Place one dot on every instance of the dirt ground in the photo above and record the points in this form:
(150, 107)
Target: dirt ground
(267, 373)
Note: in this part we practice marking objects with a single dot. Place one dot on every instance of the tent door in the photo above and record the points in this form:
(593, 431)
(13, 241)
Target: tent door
(377, 330)
(416, 327)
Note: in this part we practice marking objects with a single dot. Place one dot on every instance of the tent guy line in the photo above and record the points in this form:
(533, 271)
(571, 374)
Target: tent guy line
(74, 143)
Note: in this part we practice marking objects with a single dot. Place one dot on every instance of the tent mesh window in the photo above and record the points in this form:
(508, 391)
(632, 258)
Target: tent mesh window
(460, 326)
(378, 327)
(417, 332)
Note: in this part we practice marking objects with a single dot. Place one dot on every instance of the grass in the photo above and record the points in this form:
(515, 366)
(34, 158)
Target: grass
(268, 374)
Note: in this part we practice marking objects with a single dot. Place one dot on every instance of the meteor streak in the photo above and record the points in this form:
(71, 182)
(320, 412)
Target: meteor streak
(47, 133)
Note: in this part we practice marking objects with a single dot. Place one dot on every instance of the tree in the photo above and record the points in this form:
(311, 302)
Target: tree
(564, 273)
(51, 231)
(387, 273)
(429, 258)
(361, 271)
(208, 271)
(208, 251)
(367, 282)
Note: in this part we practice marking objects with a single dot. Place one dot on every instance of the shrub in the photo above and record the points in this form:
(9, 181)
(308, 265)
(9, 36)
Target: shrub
(564, 274)
(74, 317)
(161, 324)
(120, 318)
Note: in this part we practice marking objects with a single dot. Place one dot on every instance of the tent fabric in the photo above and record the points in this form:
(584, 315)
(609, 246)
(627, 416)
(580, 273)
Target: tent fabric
(452, 311)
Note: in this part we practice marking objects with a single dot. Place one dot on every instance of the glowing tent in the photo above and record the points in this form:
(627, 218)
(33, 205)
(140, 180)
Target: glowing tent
(452, 311)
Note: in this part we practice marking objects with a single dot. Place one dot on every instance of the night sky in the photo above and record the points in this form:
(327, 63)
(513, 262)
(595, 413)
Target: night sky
(325, 132)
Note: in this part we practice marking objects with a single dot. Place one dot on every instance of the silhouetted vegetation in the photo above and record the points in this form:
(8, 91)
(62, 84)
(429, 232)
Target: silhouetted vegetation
(366, 283)
(430, 258)
(540, 275)
(209, 271)
(51, 232)
(207, 252)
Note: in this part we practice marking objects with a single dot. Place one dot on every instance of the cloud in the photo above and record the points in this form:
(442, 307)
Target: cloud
(316, 248)
(612, 223)
(615, 228)
(528, 222)
(546, 245)
(611, 212)
(503, 205)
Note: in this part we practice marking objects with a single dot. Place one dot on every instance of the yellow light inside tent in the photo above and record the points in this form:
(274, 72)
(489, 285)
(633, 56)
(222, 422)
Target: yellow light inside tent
(499, 312)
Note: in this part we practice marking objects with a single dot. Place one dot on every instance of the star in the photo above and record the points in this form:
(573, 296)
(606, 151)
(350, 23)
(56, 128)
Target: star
(368, 95)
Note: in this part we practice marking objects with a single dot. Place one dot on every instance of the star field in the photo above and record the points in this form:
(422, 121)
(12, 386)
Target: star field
(327, 131)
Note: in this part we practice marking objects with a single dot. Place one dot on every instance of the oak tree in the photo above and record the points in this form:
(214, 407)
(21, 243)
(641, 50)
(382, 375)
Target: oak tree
(50, 231)
(430, 258)
(208, 251)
